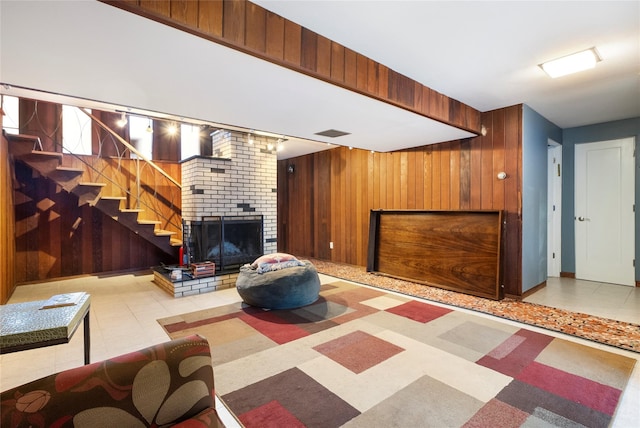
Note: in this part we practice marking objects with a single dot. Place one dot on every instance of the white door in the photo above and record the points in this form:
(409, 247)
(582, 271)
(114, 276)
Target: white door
(554, 208)
(604, 211)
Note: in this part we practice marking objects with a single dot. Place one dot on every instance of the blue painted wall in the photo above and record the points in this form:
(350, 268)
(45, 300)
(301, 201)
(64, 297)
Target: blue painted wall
(589, 134)
(536, 130)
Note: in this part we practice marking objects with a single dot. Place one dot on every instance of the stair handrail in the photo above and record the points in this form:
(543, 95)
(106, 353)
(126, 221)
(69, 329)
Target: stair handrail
(132, 148)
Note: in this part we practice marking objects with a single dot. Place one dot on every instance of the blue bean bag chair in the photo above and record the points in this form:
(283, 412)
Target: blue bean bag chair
(289, 287)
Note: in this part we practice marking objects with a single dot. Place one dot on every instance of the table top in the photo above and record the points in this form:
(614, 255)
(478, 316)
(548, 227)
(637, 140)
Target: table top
(25, 323)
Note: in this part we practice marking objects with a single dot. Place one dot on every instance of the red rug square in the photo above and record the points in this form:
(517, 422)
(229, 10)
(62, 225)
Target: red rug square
(274, 327)
(270, 415)
(419, 311)
(358, 351)
(497, 414)
(597, 396)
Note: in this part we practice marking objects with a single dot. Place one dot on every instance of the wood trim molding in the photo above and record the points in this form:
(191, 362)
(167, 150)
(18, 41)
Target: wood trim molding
(251, 29)
(568, 275)
(532, 290)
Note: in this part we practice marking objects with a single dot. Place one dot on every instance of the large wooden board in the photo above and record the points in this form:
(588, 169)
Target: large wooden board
(455, 250)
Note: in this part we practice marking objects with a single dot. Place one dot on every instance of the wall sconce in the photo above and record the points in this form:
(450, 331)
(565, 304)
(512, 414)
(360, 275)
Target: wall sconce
(291, 168)
(122, 121)
(502, 175)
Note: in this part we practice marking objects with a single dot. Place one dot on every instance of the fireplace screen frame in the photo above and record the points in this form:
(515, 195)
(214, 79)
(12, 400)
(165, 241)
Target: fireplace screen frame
(202, 230)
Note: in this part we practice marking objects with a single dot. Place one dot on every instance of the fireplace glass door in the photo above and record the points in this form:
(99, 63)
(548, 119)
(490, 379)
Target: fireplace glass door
(228, 241)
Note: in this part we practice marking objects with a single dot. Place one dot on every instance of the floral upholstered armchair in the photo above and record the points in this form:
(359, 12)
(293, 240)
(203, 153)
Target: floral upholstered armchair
(170, 384)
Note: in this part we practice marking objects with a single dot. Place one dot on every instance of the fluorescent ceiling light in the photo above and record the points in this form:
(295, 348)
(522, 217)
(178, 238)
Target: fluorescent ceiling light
(571, 63)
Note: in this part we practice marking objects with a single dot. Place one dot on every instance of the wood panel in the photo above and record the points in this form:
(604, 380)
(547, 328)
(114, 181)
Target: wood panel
(458, 174)
(7, 223)
(41, 119)
(251, 29)
(255, 28)
(210, 17)
(455, 250)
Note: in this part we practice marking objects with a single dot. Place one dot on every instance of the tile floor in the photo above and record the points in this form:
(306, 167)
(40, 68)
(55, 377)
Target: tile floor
(125, 308)
(612, 301)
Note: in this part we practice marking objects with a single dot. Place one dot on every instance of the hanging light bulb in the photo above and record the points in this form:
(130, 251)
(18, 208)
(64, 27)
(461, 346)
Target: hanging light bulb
(250, 139)
(172, 129)
(270, 146)
(149, 128)
(280, 145)
(122, 121)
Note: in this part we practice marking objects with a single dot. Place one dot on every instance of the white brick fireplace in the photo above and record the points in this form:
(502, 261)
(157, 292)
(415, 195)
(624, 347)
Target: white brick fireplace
(240, 180)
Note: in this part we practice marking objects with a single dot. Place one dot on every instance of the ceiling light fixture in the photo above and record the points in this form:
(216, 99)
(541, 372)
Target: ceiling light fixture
(573, 63)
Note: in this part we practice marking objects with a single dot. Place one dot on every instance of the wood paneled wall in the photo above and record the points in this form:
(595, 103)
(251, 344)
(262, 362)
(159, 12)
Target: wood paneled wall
(329, 195)
(249, 28)
(7, 223)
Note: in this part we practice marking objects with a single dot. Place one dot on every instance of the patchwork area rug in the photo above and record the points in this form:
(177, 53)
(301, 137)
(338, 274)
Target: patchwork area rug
(610, 332)
(361, 357)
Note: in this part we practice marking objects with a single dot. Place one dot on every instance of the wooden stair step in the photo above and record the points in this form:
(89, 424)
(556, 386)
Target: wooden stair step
(164, 233)
(87, 192)
(40, 153)
(43, 162)
(70, 169)
(154, 222)
(22, 144)
(67, 177)
(175, 242)
(129, 217)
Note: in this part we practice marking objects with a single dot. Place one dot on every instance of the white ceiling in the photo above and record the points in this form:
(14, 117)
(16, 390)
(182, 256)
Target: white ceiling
(484, 54)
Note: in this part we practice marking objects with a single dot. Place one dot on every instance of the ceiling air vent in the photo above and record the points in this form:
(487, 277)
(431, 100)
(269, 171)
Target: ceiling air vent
(332, 133)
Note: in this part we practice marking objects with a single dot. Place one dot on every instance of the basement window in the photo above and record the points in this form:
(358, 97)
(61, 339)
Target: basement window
(140, 137)
(10, 121)
(76, 131)
(190, 140)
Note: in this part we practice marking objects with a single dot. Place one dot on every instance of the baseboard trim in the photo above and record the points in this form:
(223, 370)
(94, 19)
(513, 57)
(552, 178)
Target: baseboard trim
(568, 275)
(538, 287)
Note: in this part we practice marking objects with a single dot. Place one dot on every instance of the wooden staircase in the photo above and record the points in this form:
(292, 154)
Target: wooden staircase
(27, 149)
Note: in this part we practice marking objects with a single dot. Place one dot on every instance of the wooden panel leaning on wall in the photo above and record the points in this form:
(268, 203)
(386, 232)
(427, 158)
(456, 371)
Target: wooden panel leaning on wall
(454, 250)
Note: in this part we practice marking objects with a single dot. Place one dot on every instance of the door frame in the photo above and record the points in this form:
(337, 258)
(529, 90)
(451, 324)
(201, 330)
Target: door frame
(554, 208)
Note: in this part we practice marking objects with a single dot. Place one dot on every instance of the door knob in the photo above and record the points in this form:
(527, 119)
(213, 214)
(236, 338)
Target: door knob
(582, 218)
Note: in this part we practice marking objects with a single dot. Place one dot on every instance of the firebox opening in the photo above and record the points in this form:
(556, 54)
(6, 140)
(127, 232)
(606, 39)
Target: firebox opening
(228, 241)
